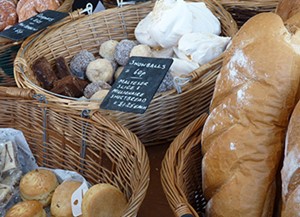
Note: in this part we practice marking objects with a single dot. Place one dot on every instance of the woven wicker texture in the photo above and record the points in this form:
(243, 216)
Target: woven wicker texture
(9, 49)
(181, 171)
(100, 149)
(168, 112)
(242, 10)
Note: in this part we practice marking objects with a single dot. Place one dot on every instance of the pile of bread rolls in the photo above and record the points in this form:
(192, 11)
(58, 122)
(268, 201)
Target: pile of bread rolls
(245, 134)
(40, 188)
(13, 11)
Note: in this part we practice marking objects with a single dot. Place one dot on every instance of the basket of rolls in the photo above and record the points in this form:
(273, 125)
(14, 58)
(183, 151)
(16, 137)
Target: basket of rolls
(93, 50)
(247, 148)
(242, 10)
(12, 12)
(89, 162)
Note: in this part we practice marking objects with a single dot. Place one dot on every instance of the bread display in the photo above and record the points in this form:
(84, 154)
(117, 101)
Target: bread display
(38, 185)
(30, 8)
(8, 14)
(103, 200)
(290, 170)
(61, 205)
(27, 209)
(242, 139)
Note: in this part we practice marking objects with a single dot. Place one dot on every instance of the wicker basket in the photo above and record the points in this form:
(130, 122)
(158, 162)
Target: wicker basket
(242, 10)
(168, 112)
(98, 148)
(9, 49)
(181, 171)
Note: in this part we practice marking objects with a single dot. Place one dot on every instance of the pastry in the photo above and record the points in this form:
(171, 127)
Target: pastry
(122, 51)
(141, 50)
(94, 87)
(70, 86)
(107, 49)
(38, 185)
(30, 8)
(103, 200)
(100, 70)
(99, 95)
(79, 63)
(242, 139)
(26, 209)
(118, 72)
(62, 68)
(166, 84)
(8, 14)
(61, 205)
(44, 73)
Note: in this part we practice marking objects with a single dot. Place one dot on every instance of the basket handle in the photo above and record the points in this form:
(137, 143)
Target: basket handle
(202, 70)
(17, 92)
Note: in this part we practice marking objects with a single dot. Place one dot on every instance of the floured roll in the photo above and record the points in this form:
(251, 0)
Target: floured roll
(290, 173)
(242, 139)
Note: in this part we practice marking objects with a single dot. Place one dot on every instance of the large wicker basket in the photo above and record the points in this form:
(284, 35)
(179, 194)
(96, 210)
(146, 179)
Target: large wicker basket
(181, 172)
(9, 49)
(242, 10)
(98, 148)
(168, 112)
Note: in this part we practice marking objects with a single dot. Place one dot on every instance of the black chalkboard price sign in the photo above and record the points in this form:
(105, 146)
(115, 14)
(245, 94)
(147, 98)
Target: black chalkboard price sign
(137, 84)
(32, 25)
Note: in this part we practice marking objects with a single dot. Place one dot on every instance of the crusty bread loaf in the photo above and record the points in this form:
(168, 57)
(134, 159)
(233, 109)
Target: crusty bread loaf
(242, 139)
(287, 8)
(8, 14)
(290, 172)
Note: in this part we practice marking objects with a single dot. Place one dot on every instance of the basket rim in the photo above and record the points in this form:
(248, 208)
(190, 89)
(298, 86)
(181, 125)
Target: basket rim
(170, 167)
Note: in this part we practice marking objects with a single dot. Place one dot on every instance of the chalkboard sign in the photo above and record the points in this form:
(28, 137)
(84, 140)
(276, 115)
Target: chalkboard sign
(137, 84)
(32, 25)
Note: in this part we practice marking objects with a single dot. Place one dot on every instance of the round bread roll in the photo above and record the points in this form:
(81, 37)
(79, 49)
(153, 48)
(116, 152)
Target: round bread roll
(61, 200)
(38, 185)
(30, 8)
(8, 14)
(30, 208)
(103, 200)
